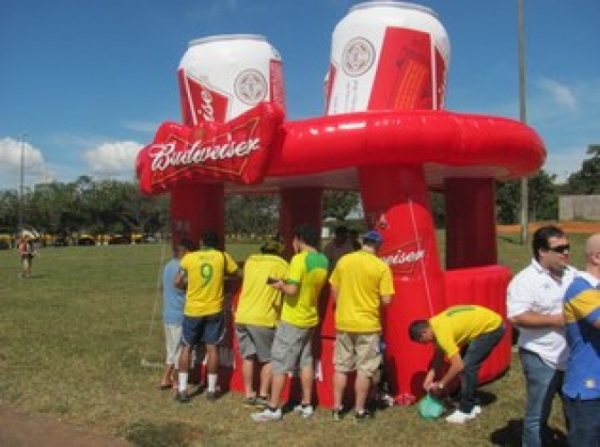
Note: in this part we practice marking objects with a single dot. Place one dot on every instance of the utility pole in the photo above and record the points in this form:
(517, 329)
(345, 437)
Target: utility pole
(523, 117)
(22, 182)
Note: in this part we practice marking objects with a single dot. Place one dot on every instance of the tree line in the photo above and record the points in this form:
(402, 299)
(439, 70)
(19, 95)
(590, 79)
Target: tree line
(115, 207)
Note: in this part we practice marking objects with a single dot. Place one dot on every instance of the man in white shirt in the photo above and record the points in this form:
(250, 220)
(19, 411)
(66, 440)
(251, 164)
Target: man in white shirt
(534, 306)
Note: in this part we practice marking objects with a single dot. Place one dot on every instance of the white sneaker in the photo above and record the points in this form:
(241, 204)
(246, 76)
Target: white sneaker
(306, 410)
(458, 417)
(266, 415)
(476, 411)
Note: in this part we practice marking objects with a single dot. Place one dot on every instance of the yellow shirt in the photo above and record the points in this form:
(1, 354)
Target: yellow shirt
(361, 278)
(458, 325)
(308, 270)
(205, 270)
(259, 303)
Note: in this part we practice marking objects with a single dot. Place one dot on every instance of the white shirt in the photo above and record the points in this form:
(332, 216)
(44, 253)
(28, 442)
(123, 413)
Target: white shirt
(533, 289)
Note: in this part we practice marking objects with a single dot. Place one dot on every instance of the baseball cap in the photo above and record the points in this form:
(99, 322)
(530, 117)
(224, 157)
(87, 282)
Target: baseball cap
(373, 236)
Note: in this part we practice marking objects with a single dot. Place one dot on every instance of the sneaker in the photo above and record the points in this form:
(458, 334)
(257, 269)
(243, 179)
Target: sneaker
(267, 415)
(306, 410)
(182, 397)
(337, 414)
(261, 401)
(458, 417)
(476, 411)
(212, 396)
(362, 416)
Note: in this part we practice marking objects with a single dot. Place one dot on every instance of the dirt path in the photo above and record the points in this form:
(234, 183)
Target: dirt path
(24, 430)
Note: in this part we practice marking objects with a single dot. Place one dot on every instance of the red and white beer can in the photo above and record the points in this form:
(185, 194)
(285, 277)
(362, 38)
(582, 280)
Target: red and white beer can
(221, 77)
(387, 55)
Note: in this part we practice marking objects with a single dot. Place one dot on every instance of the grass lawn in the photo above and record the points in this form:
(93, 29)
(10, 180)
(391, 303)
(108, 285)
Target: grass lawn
(76, 339)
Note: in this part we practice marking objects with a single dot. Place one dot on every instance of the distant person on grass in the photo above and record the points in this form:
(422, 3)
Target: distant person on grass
(360, 284)
(256, 317)
(474, 330)
(292, 346)
(535, 307)
(27, 252)
(203, 272)
(173, 302)
(582, 376)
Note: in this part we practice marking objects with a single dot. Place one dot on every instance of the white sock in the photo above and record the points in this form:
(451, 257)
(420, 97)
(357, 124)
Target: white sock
(183, 380)
(212, 382)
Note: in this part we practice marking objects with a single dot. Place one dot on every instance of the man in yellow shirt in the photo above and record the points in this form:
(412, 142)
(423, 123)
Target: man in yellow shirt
(203, 272)
(475, 328)
(360, 284)
(299, 316)
(256, 316)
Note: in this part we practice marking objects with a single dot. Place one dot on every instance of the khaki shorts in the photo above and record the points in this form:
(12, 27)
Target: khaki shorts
(357, 352)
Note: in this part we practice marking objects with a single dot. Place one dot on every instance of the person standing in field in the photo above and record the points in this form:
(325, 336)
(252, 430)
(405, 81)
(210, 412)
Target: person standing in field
(581, 387)
(535, 307)
(203, 273)
(26, 249)
(360, 284)
(256, 317)
(173, 302)
(292, 346)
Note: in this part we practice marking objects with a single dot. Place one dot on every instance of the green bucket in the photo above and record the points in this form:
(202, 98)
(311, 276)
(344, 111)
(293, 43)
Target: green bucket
(430, 407)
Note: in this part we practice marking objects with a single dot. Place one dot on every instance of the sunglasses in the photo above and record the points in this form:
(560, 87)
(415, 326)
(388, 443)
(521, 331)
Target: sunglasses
(560, 248)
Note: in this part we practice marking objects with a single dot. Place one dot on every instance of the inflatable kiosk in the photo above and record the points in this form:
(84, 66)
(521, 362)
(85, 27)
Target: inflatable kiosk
(385, 134)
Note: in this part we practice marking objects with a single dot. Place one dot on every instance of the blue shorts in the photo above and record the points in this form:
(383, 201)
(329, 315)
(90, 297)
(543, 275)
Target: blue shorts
(208, 329)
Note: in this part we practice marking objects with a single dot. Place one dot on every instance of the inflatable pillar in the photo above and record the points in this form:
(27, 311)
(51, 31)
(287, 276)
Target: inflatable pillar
(396, 204)
(196, 208)
(298, 206)
(470, 222)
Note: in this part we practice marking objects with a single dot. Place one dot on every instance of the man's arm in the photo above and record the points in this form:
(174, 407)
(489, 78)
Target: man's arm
(532, 319)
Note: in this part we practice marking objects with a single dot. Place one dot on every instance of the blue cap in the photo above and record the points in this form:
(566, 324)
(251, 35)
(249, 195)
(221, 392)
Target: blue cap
(373, 236)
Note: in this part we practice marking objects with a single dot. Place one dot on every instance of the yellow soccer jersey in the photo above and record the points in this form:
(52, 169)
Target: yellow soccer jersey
(361, 278)
(308, 270)
(459, 325)
(259, 303)
(205, 270)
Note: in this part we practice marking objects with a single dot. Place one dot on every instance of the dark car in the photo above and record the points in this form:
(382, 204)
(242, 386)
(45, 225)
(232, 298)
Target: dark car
(85, 239)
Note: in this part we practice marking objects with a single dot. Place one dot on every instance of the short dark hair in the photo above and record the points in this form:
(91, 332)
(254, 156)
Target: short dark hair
(308, 234)
(416, 328)
(187, 244)
(541, 237)
(210, 238)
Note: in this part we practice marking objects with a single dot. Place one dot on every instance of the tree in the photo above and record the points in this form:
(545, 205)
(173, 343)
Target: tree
(586, 181)
(339, 204)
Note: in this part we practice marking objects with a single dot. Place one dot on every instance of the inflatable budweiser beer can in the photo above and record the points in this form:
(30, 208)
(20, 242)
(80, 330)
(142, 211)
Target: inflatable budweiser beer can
(387, 55)
(221, 77)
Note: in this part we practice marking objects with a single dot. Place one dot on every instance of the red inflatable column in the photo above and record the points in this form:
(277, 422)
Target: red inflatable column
(298, 206)
(470, 222)
(396, 203)
(195, 208)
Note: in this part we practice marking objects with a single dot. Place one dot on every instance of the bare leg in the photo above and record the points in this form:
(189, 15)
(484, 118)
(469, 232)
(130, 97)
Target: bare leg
(307, 377)
(277, 384)
(266, 376)
(362, 386)
(339, 385)
(248, 375)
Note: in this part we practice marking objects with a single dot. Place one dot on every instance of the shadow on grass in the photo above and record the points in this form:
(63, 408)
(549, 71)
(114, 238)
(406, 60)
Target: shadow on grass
(510, 435)
(148, 434)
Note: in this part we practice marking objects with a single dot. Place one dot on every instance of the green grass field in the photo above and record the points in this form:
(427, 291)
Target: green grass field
(77, 337)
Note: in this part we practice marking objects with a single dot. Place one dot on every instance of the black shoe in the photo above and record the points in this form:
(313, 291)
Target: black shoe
(182, 397)
(337, 414)
(362, 416)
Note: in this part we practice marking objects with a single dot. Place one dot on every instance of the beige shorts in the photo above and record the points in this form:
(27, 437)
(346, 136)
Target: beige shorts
(357, 352)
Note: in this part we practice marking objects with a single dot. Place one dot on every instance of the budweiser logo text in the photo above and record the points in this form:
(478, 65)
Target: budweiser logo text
(165, 155)
(400, 257)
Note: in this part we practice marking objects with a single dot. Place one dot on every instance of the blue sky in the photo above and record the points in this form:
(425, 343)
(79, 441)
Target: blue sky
(89, 81)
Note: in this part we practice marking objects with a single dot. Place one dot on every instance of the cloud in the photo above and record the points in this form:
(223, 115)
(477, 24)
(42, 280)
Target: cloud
(561, 94)
(113, 159)
(34, 164)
